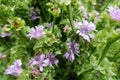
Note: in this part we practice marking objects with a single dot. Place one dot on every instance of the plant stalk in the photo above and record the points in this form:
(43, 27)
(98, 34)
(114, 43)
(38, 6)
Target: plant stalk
(70, 17)
(109, 43)
(54, 18)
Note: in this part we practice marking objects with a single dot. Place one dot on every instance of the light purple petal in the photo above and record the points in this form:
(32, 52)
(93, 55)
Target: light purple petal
(52, 60)
(49, 25)
(41, 62)
(84, 12)
(85, 30)
(33, 14)
(46, 62)
(37, 32)
(114, 13)
(77, 24)
(2, 56)
(3, 34)
(70, 56)
(15, 69)
(18, 62)
(86, 37)
(74, 50)
(41, 68)
(74, 47)
(32, 62)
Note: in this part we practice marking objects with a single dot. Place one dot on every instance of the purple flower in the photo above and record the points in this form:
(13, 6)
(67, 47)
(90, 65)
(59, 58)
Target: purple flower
(73, 47)
(84, 12)
(52, 60)
(37, 32)
(4, 33)
(96, 14)
(77, 24)
(49, 25)
(70, 56)
(74, 50)
(85, 30)
(2, 56)
(33, 14)
(15, 69)
(42, 62)
(114, 13)
(32, 62)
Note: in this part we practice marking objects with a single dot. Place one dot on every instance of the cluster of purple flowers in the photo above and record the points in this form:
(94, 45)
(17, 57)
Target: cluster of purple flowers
(43, 61)
(73, 50)
(84, 29)
(37, 32)
(114, 13)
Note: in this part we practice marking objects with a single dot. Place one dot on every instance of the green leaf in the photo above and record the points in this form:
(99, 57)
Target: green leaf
(66, 2)
(1, 49)
(109, 43)
(43, 75)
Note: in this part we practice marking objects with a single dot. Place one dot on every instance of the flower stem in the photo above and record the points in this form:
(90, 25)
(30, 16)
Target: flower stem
(70, 17)
(54, 18)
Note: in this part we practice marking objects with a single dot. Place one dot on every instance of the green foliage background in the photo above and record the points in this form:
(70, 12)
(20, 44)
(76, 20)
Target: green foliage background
(98, 60)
